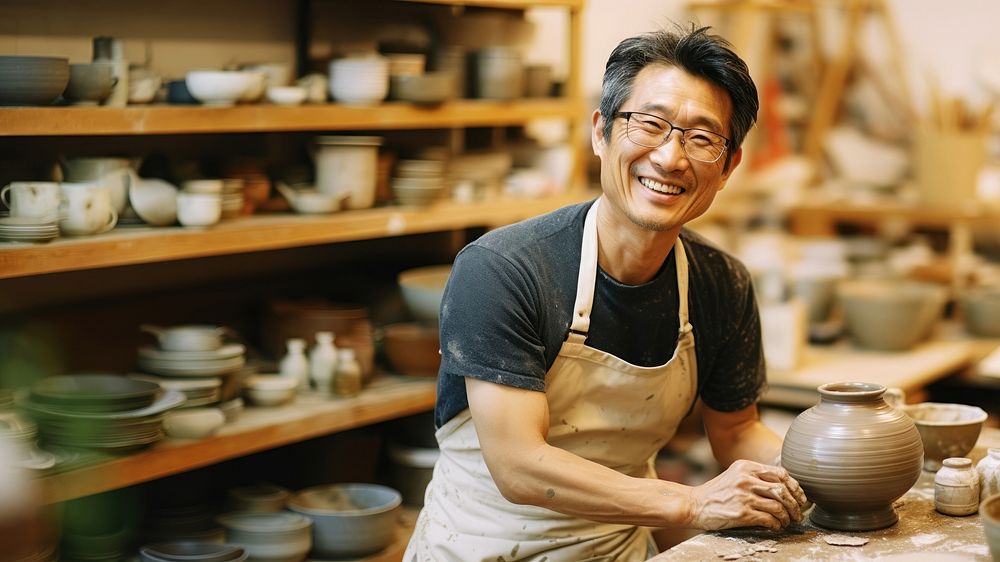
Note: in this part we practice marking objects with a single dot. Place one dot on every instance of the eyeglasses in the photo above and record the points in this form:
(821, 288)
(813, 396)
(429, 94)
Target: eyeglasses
(653, 132)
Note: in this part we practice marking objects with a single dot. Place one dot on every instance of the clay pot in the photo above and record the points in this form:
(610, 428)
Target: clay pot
(989, 473)
(956, 487)
(853, 455)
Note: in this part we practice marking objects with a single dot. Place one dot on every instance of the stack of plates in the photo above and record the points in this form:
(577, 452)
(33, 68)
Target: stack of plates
(216, 362)
(104, 412)
(199, 392)
(23, 434)
(184, 523)
(192, 552)
(27, 229)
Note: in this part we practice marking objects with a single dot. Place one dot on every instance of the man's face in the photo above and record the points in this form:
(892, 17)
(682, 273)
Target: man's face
(661, 188)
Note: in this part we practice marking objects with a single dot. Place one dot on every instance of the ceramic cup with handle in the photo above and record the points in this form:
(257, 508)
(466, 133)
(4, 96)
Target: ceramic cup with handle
(32, 199)
(86, 209)
(116, 173)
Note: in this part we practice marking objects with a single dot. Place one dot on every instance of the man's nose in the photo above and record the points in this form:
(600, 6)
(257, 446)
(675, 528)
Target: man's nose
(670, 155)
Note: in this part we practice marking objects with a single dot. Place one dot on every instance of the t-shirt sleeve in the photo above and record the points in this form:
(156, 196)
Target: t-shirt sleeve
(489, 322)
(738, 376)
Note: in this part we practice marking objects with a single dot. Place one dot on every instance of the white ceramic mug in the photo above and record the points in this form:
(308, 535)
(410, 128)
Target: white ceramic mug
(86, 209)
(198, 209)
(32, 199)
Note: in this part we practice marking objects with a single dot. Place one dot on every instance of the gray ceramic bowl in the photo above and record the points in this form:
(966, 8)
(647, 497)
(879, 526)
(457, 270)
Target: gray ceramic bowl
(981, 309)
(423, 288)
(989, 514)
(89, 83)
(349, 520)
(890, 315)
(32, 80)
(946, 430)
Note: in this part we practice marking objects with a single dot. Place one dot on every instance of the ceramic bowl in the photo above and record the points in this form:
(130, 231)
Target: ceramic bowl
(187, 337)
(412, 348)
(422, 289)
(425, 89)
(270, 537)
(154, 200)
(178, 93)
(981, 310)
(286, 95)
(259, 497)
(270, 390)
(218, 87)
(349, 520)
(890, 315)
(989, 514)
(190, 551)
(89, 83)
(28, 80)
(198, 209)
(946, 430)
(143, 84)
(256, 85)
(193, 423)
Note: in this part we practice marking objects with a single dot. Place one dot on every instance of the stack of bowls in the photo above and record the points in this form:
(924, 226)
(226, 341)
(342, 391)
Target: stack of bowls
(499, 73)
(419, 182)
(32, 80)
(192, 552)
(359, 79)
(99, 411)
(272, 537)
(232, 197)
(349, 520)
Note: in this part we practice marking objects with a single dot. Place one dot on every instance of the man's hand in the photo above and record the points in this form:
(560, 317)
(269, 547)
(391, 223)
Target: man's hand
(748, 494)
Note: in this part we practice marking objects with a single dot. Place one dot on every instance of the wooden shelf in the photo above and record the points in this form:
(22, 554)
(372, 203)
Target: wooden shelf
(821, 219)
(126, 246)
(257, 429)
(260, 118)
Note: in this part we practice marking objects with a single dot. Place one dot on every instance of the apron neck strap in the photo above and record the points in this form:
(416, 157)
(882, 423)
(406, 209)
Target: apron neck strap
(587, 279)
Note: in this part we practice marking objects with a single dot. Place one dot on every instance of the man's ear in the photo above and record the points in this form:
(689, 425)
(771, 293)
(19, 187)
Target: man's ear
(597, 132)
(737, 158)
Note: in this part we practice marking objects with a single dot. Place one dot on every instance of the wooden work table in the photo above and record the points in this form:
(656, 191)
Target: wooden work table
(921, 533)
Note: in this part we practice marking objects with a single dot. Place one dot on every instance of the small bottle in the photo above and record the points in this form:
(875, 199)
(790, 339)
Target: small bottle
(323, 361)
(347, 381)
(989, 473)
(295, 364)
(956, 487)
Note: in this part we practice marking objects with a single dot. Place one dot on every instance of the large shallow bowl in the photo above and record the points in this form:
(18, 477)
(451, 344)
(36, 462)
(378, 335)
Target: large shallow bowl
(890, 315)
(32, 80)
(947, 430)
(94, 393)
(349, 520)
(423, 288)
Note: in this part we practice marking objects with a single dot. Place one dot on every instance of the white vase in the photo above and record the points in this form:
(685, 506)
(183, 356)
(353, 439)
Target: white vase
(989, 473)
(295, 364)
(323, 361)
(956, 487)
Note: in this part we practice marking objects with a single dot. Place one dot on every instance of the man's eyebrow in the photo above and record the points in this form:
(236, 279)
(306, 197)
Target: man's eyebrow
(700, 121)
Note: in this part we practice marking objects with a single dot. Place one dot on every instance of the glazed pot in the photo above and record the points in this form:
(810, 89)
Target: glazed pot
(853, 454)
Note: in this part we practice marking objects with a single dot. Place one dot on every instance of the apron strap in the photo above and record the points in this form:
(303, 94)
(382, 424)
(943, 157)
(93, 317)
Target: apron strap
(587, 280)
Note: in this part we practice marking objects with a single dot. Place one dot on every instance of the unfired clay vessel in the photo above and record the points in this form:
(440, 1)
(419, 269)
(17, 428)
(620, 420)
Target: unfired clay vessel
(989, 473)
(853, 455)
(956, 487)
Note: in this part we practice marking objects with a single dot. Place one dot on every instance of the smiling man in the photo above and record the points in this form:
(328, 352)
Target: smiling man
(574, 343)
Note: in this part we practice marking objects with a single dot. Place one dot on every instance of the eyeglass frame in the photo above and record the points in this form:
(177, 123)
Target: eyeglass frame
(627, 115)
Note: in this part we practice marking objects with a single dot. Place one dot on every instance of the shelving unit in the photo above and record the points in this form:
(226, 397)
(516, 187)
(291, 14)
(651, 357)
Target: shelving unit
(311, 416)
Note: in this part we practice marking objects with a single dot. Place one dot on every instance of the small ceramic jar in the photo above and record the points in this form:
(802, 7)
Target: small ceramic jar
(956, 487)
(989, 473)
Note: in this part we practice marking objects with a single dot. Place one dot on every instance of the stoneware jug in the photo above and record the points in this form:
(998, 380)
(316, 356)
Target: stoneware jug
(853, 454)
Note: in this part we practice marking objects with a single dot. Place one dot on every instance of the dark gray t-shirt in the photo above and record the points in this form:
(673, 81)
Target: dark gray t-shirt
(509, 303)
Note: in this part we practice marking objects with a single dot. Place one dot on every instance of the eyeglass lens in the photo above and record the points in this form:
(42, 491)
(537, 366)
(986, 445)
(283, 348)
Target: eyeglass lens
(652, 132)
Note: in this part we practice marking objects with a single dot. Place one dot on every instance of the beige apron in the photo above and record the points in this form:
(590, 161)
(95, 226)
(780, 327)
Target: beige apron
(601, 408)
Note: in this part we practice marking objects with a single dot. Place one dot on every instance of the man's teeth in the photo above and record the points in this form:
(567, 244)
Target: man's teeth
(662, 188)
